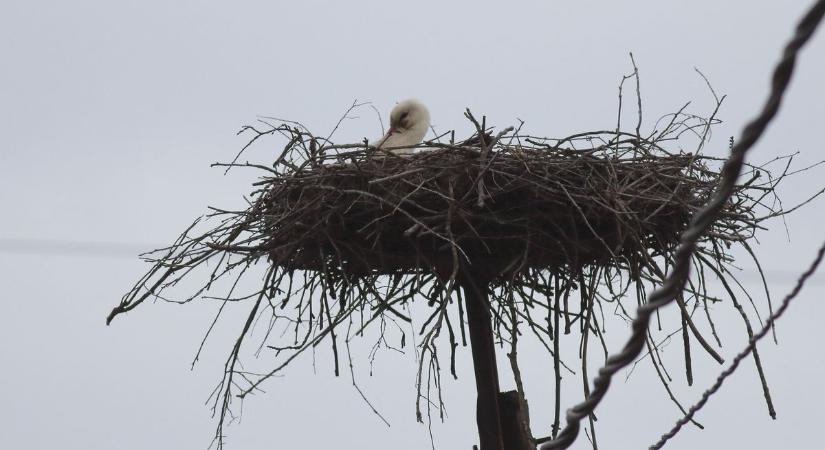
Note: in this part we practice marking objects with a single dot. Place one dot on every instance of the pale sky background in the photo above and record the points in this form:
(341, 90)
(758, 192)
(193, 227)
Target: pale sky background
(112, 111)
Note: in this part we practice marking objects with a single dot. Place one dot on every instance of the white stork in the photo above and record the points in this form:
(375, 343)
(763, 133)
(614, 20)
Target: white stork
(409, 123)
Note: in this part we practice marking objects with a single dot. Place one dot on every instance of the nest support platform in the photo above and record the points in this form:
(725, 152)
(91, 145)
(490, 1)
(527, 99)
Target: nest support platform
(502, 417)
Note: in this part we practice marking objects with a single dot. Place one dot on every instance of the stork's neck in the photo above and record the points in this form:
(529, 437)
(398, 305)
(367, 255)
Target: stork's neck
(416, 133)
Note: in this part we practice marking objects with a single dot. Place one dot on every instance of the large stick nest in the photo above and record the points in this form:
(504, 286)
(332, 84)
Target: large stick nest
(503, 210)
(351, 235)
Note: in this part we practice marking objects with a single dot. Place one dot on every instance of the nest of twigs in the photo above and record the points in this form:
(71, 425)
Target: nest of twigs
(350, 235)
(501, 210)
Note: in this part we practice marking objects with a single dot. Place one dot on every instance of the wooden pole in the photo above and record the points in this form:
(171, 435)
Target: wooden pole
(515, 421)
(484, 364)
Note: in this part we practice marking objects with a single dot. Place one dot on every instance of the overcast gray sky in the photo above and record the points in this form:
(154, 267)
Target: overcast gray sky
(112, 111)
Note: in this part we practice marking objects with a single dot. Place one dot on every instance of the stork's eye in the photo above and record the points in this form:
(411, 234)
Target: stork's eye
(404, 115)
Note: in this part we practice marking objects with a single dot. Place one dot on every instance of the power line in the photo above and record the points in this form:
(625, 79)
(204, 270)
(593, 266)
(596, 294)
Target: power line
(674, 284)
(62, 247)
(121, 250)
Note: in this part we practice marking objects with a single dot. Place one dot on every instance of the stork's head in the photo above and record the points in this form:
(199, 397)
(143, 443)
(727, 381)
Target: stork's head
(410, 118)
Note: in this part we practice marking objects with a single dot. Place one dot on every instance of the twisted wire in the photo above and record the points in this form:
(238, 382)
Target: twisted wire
(675, 282)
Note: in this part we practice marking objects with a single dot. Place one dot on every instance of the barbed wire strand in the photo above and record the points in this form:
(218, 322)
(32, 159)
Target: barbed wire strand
(743, 354)
(675, 282)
